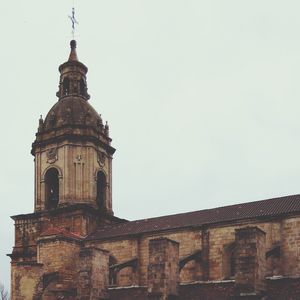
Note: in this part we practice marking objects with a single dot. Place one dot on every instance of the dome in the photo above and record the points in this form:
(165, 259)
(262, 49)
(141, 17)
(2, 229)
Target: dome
(71, 111)
(72, 118)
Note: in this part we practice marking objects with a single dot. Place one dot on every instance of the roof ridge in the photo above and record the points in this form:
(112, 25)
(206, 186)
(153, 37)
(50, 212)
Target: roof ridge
(219, 207)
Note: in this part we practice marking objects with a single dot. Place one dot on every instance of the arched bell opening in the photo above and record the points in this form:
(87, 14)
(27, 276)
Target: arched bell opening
(51, 188)
(101, 190)
(66, 86)
(82, 87)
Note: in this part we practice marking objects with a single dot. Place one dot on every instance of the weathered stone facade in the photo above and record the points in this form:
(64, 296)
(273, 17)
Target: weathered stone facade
(73, 247)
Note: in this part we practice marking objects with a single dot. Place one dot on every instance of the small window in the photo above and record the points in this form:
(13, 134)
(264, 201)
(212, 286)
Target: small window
(66, 86)
(101, 187)
(51, 189)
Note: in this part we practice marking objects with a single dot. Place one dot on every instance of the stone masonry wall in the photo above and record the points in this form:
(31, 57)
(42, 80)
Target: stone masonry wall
(250, 261)
(290, 245)
(189, 242)
(126, 249)
(279, 233)
(58, 254)
(163, 275)
(93, 269)
(25, 278)
(122, 251)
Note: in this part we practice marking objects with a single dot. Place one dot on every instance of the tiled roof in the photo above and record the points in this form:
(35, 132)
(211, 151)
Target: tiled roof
(60, 231)
(257, 209)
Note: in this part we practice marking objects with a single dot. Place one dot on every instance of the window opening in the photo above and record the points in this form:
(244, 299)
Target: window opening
(101, 184)
(66, 86)
(82, 87)
(52, 189)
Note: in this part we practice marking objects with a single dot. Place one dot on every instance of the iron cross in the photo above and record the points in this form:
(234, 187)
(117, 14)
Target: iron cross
(73, 20)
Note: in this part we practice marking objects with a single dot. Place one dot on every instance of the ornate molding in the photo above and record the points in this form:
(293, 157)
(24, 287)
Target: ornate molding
(51, 155)
(79, 159)
(101, 158)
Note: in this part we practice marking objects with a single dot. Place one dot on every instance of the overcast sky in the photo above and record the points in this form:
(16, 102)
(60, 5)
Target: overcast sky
(202, 98)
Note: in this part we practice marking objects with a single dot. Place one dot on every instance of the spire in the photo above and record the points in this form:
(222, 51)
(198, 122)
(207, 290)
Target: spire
(73, 53)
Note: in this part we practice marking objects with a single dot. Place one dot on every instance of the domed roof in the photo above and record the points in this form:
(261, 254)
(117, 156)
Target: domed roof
(72, 111)
(72, 118)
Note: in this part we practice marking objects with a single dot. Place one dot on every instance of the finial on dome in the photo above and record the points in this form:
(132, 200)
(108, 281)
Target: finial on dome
(73, 53)
(41, 123)
(100, 122)
(106, 129)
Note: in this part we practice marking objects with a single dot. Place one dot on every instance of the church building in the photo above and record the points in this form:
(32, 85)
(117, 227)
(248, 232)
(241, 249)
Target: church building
(73, 246)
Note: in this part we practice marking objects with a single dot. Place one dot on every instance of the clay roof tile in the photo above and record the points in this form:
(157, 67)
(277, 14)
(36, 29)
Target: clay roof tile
(252, 210)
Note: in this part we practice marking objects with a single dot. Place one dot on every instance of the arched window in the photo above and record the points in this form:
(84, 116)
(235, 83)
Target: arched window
(82, 87)
(51, 188)
(101, 184)
(66, 86)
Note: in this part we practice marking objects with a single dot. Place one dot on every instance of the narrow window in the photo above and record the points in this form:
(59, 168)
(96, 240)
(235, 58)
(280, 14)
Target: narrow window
(101, 184)
(82, 87)
(66, 86)
(52, 189)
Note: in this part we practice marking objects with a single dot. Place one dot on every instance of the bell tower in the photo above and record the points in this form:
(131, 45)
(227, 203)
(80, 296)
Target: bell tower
(73, 174)
(72, 149)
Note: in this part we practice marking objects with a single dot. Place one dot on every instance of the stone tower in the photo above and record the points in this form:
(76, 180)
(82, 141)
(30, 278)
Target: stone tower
(73, 155)
(73, 174)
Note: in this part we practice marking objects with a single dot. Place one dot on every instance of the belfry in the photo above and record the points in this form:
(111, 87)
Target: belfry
(72, 150)
(73, 247)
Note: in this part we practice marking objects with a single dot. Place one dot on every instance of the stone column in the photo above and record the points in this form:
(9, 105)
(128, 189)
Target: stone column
(163, 269)
(250, 263)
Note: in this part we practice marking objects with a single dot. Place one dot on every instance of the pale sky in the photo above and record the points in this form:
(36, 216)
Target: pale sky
(202, 98)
